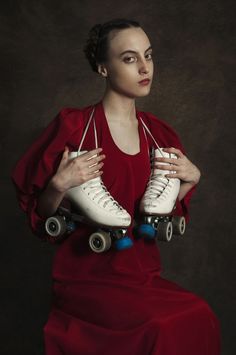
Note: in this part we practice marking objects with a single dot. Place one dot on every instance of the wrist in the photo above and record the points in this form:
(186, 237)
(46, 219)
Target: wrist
(56, 185)
(197, 178)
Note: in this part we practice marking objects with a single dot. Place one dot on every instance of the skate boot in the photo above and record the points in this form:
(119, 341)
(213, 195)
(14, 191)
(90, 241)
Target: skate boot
(95, 205)
(158, 202)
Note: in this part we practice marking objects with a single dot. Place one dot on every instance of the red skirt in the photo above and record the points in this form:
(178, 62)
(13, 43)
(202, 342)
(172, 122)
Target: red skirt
(160, 318)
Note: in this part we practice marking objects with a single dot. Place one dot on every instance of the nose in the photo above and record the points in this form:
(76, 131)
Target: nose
(143, 68)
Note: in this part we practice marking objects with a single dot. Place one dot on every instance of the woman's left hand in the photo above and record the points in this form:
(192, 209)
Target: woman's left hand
(184, 169)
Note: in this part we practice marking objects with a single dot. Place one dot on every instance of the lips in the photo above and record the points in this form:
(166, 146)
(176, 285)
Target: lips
(144, 81)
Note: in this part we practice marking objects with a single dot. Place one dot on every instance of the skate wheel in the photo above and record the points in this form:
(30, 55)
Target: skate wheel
(55, 226)
(146, 231)
(100, 241)
(164, 231)
(179, 225)
(123, 243)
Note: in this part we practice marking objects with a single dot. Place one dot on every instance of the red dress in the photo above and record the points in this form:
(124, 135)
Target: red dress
(114, 302)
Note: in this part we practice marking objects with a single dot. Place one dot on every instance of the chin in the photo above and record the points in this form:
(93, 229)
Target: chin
(144, 93)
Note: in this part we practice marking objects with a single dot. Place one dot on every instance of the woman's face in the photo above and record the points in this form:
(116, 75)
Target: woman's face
(125, 70)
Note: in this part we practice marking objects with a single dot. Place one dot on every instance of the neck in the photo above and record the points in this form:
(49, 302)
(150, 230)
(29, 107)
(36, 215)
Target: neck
(118, 107)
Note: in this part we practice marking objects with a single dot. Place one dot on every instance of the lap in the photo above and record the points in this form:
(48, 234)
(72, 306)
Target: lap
(159, 318)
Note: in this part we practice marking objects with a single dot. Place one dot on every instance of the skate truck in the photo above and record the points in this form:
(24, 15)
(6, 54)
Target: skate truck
(158, 203)
(94, 205)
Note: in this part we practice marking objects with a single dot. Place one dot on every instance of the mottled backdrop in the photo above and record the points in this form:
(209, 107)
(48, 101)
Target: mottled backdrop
(44, 69)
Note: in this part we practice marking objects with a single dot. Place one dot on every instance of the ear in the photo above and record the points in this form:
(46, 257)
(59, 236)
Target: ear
(102, 70)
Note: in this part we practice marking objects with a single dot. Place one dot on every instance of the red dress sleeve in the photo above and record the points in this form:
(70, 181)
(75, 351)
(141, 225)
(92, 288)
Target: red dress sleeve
(165, 136)
(39, 163)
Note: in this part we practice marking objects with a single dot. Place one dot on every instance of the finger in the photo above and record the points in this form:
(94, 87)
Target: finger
(95, 174)
(171, 168)
(95, 167)
(88, 162)
(172, 176)
(92, 153)
(167, 160)
(92, 176)
(174, 150)
(66, 152)
(94, 161)
(64, 157)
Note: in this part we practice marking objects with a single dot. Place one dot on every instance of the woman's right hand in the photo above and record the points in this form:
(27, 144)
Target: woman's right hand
(76, 171)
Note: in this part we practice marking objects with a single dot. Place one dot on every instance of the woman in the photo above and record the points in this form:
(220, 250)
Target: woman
(113, 302)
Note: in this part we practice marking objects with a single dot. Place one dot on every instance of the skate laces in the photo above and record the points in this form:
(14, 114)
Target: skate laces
(158, 186)
(98, 192)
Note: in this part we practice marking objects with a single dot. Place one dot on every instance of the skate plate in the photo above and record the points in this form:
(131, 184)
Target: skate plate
(161, 227)
(65, 222)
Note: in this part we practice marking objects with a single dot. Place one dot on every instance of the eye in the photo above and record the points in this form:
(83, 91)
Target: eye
(129, 59)
(149, 56)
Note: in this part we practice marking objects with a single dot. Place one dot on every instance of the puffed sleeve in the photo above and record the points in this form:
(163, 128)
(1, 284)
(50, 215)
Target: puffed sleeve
(39, 163)
(166, 136)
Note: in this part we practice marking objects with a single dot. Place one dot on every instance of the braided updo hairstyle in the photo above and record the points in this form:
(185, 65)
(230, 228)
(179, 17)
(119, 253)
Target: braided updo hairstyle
(97, 45)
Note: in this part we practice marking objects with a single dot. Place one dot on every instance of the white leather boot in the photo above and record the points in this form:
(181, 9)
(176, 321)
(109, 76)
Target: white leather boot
(94, 201)
(161, 193)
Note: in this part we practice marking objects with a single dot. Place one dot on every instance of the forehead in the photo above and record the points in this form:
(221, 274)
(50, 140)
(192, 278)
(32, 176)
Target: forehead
(129, 38)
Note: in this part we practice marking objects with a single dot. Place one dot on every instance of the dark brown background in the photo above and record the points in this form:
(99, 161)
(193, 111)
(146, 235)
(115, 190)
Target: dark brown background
(44, 69)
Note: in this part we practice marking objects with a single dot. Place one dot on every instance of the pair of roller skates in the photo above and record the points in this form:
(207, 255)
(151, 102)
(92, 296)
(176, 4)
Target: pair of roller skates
(94, 205)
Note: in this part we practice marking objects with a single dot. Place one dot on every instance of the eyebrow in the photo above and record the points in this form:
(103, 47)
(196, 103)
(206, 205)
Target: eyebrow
(131, 51)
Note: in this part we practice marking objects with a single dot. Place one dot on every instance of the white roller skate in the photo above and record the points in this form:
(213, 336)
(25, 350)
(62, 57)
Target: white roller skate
(158, 203)
(93, 205)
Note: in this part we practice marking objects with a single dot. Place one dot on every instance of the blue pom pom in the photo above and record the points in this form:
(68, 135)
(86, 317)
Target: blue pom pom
(123, 243)
(147, 231)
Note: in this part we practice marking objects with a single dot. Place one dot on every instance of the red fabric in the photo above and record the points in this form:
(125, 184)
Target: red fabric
(114, 302)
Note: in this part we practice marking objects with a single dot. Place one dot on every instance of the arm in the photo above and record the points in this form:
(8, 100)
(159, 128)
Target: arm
(185, 187)
(49, 200)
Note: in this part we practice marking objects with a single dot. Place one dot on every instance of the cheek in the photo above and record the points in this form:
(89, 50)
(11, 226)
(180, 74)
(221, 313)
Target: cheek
(151, 68)
(123, 76)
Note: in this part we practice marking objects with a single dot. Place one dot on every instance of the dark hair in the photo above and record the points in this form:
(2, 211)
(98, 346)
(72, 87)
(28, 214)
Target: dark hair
(97, 44)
